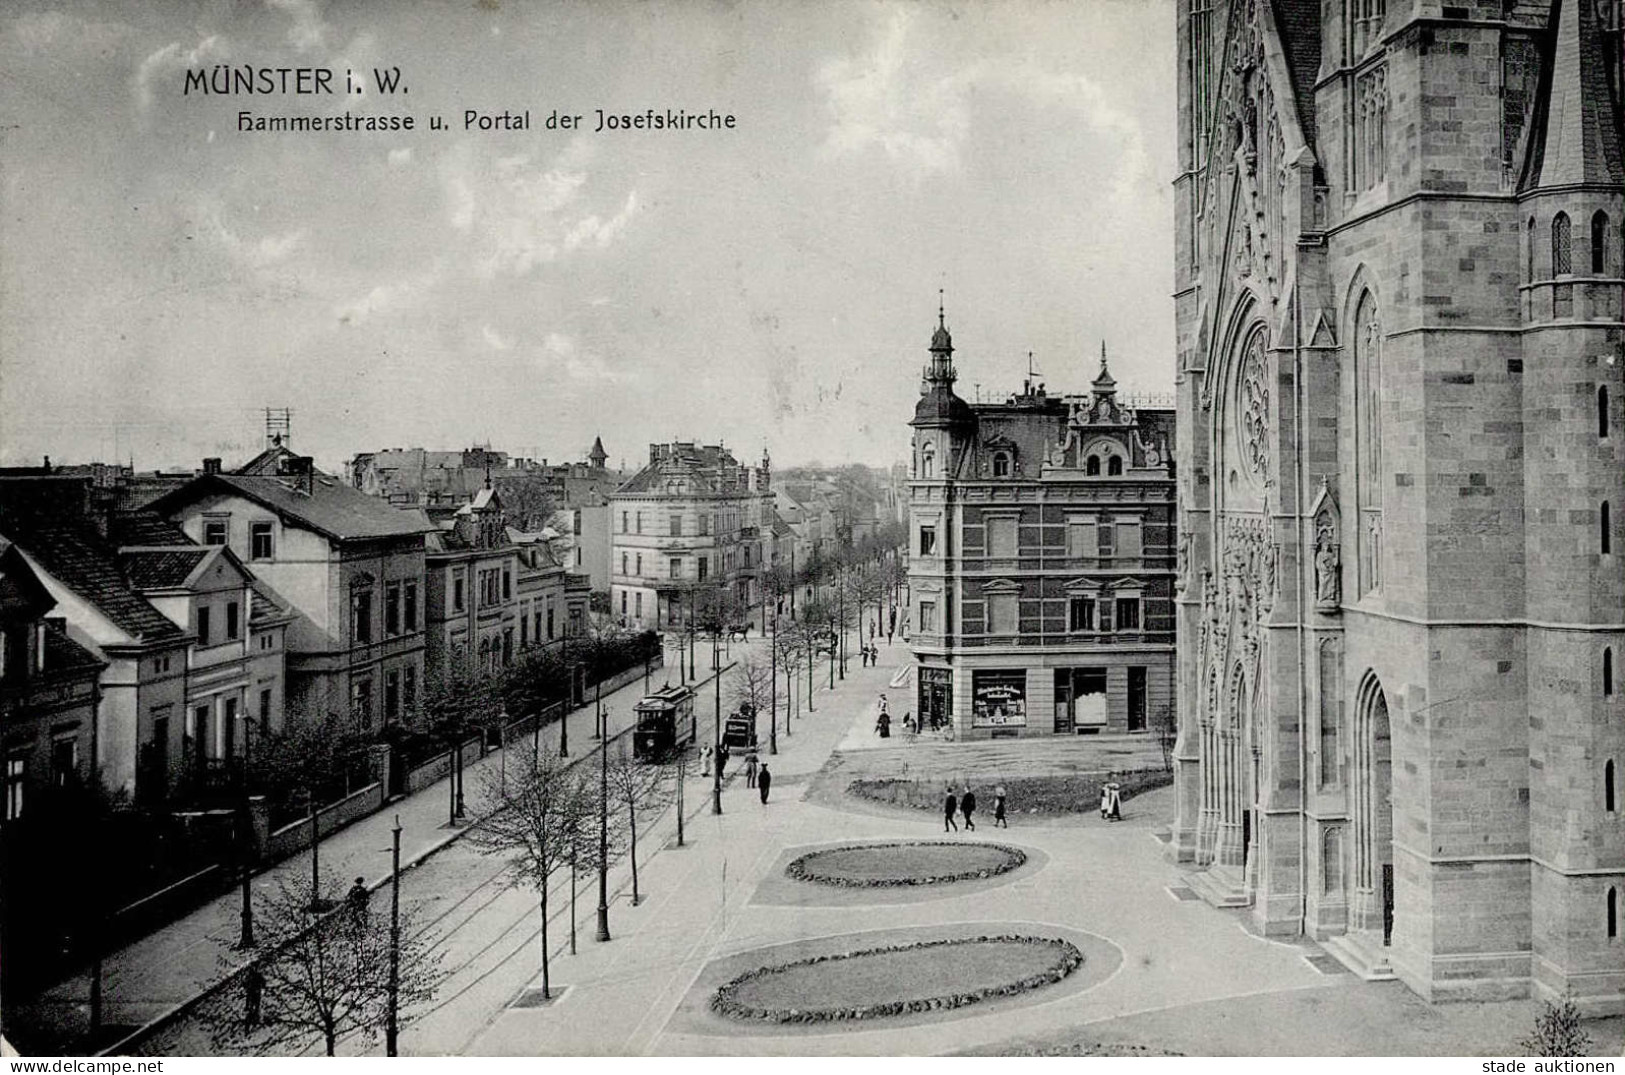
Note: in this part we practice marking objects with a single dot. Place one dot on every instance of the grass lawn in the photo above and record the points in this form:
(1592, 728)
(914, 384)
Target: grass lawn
(911, 974)
(906, 861)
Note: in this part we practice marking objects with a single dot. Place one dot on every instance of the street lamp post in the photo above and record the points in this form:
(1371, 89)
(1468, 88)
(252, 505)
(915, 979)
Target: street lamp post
(245, 939)
(603, 820)
(682, 767)
(716, 735)
(392, 1026)
(773, 683)
(564, 717)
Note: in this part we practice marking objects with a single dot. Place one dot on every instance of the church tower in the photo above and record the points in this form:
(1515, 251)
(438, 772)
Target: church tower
(1399, 310)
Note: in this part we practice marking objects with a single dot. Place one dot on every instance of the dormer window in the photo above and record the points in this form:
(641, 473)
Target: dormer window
(1114, 466)
(1001, 464)
(1092, 467)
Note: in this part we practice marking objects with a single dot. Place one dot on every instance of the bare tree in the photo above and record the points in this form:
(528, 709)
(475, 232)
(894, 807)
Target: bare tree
(1167, 732)
(635, 786)
(534, 817)
(788, 642)
(751, 689)
(324, 975)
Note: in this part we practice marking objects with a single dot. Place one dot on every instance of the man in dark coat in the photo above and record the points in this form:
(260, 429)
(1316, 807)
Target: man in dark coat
(764, 780)
(949, 806)
(967, 806)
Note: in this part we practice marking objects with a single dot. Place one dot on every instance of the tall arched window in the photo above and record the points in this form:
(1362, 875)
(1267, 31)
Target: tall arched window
(1531, 250)
(1114, 466)
(1092, 467)
(1001, 464)
(1562, 262)
(1602, 411)
(928, 462)
(1613, 913)
(1608, 786)
(1607, 671)
(1599, 243)
(1368, 437)
(1607, 524)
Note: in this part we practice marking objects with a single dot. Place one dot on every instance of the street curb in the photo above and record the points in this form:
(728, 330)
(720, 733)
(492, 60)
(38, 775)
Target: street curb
(184, 1007)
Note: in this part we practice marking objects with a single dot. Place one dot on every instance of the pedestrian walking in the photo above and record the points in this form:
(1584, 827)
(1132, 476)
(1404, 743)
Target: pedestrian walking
(705, 764)
(998, 807)
(950, 806)
(1114, 810)
(764, 781)
(356, 899)
(752, 762)
(1105, 800)
(885, 725)
(967, 807)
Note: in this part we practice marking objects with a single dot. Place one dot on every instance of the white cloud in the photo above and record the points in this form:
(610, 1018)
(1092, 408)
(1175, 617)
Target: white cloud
(520, 214)
(600, 233)
(39, 31)
(387, 297)
(903, 97)
(173, 59)
(308, 30)
(262, 253)
(561, 355)
(889, 99)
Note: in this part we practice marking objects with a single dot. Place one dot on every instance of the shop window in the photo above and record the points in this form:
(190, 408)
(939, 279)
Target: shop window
(999, 697)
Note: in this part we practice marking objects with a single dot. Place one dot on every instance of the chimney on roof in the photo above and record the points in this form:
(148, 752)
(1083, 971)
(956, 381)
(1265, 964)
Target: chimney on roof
(211, 465)
(301, 470)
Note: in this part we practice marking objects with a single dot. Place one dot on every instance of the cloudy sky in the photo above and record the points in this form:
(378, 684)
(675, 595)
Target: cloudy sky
(163, 277)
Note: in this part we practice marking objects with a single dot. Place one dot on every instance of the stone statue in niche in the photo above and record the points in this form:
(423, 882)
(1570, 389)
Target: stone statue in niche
(1182, 563)
(1328, 570)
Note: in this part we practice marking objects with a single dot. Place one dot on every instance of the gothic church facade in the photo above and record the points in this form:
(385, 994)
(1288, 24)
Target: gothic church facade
(1401, 580)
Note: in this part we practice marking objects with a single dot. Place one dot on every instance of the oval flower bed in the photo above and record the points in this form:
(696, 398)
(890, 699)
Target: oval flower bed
(899, 979)
(934, 862)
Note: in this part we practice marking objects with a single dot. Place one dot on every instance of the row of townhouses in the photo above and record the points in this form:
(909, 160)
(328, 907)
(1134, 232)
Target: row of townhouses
(147, 628)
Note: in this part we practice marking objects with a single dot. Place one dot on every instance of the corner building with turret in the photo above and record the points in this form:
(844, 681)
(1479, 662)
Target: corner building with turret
(1402, 583)
(1041, 559)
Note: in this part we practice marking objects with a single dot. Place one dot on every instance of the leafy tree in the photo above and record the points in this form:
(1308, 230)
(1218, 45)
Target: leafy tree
(1558, 1031)
(528, 500)
(535, 817)
(324, 975)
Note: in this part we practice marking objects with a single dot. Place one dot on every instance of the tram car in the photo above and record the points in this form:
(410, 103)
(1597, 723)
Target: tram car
(666, 723)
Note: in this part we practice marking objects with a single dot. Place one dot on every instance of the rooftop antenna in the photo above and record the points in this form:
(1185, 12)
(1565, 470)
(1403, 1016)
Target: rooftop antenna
(278, 426)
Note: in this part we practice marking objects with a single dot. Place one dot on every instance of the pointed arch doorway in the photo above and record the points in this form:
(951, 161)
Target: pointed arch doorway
(1372, 905)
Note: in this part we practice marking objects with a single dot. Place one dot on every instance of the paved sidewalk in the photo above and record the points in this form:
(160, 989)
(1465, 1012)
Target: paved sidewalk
(152, 976)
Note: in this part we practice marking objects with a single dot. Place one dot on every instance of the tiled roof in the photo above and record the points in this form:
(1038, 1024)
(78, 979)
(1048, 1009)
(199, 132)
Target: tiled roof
(331, 507)
(146, 528)
(63, 653)
(263, 607)
(153, 569)
(72, 552)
